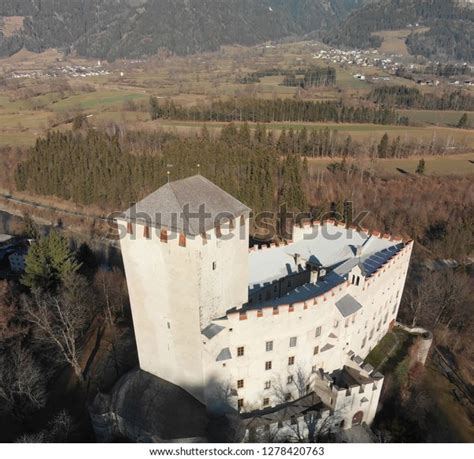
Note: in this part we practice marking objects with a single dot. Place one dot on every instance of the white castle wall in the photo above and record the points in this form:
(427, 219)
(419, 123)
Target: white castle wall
(174, 291)
(380, 295)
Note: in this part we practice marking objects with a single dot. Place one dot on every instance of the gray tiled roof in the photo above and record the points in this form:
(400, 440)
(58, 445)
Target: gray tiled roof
(212, 330)
(224, 354)
(348, 305)
(327, 347)
(170, 206)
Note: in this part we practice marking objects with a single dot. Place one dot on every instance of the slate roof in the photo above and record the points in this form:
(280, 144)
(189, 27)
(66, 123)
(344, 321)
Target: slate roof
(172, 206)
(348, 305)
(212, 330)
(224, 354)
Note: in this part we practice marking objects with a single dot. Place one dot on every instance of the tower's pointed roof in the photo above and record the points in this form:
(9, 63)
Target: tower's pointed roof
(190, 206)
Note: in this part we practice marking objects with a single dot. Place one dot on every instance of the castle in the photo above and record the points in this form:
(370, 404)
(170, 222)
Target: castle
(275, 332)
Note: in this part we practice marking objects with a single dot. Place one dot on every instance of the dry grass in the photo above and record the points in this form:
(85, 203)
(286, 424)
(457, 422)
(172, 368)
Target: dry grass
(10, 25)
(394, 40)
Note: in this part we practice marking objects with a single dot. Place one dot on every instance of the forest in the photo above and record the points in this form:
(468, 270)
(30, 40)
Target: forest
(312, 77)
(450, 35)
(114, 29)
(263, 170)
(265, 111)
(407, 97)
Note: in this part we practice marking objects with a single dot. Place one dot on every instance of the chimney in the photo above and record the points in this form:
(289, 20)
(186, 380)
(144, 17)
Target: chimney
(297, 258)
(314, 276)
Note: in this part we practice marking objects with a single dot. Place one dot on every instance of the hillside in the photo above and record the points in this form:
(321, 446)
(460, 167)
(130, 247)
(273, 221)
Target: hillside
(450, 23)
(137, 28)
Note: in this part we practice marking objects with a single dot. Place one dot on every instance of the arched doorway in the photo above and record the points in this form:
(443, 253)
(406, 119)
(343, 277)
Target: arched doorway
(357, 418)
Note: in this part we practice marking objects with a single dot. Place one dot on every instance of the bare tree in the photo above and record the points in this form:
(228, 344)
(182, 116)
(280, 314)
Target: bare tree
(62, 320)
(22, 382)
(112, 294)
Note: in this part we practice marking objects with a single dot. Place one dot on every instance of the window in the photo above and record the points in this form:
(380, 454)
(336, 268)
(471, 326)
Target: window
(357, 280)
(318, 332)
(287, 397)
(218, 231)
(266, 401)
(371, 333)
(269, 346)
(316, 350)
(268, 365)
(354, 318)
(314, 369)
(289, 379)
(268, 384)
(240, 403)
(204, 238)
(336, 323)
(289, 284)
(164, 236)
(182, 240)
(385, 318)
(379, 325)
(280, 424)
(242, 220)
(291, 360)
(293, 341)
(129, 228)
(146, 232)
(214, 265)
(240, 351)
(240, 384)
(346, 325)
(364, 341)
(293, 421)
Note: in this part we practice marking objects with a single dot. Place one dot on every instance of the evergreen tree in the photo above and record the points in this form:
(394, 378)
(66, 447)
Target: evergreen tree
(48, 261)
(421, 167)
(154, 108)
(382, 149)
(463, 122)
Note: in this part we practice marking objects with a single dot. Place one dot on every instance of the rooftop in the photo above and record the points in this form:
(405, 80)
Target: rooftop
(328, 246)
(335, 248)
(190, 206)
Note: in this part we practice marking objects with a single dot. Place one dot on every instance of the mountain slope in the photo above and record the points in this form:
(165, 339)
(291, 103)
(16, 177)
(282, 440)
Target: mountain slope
(451, 24)
(137, 28)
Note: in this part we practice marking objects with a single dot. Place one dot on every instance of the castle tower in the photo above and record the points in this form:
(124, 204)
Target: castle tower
(185, 252)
